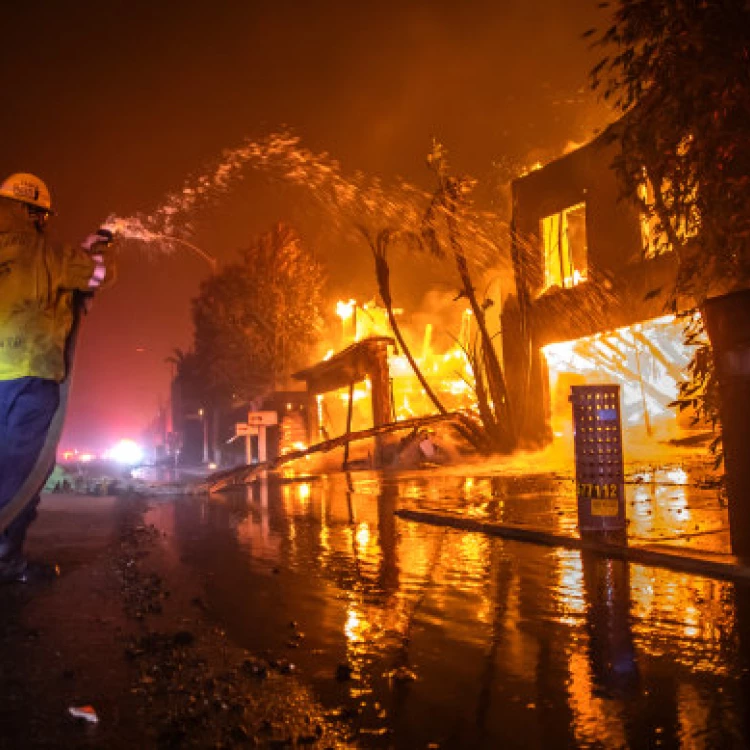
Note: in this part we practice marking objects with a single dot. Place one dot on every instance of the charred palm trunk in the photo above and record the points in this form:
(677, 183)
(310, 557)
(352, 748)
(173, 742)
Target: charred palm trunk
(383, 275)
(496, 385)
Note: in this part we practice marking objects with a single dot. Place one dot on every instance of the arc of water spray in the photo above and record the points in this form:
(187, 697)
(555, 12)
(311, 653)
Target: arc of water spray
(345, 199)
(178, 240)
(134, 229)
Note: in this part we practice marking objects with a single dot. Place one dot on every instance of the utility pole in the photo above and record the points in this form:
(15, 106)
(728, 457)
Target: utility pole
(204, 425)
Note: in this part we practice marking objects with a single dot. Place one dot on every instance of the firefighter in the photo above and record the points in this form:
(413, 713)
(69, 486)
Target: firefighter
(38, 283)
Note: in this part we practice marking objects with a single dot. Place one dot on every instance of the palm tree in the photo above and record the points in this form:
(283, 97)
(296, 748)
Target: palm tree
(379, 247)
(449, 199)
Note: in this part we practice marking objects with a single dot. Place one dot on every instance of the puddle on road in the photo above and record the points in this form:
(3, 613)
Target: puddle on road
(459, 639)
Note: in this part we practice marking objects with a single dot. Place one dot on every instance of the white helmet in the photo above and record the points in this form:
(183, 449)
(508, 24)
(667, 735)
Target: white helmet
(27, 189)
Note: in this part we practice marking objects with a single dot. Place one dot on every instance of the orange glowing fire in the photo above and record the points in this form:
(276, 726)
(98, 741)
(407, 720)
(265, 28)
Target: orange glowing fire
(448, 372)
(647, 360)
(345, 310)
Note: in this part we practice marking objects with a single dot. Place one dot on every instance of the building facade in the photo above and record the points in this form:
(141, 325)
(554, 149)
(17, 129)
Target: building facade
(582, 266)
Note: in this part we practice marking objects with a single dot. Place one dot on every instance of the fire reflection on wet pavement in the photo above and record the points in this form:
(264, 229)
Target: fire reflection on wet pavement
(428, 635)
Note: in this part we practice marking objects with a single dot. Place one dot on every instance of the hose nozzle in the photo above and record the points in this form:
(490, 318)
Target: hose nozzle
(107, 235)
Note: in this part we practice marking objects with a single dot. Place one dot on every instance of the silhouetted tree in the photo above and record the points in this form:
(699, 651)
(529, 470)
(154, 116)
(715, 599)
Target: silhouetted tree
(447, 221)
(679, 71)
(255, 320)
(379, 246)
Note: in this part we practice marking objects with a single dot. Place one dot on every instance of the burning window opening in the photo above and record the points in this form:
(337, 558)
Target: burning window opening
(565, 250)
(647, 360)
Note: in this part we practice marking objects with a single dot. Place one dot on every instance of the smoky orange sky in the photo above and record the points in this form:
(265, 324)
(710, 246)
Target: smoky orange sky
(115, 103)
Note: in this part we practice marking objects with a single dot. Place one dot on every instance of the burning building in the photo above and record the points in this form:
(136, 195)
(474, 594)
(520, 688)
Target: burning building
(365, 382)
(592, 297)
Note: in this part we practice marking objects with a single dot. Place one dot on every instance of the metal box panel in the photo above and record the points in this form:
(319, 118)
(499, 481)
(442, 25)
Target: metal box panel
(600, 476)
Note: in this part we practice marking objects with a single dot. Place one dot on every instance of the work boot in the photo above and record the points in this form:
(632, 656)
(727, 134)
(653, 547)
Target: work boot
(13, 569)
(20, 570)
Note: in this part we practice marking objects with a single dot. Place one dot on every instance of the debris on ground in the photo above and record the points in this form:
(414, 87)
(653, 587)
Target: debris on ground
(84, 713)
(196, 687)
(422, 447)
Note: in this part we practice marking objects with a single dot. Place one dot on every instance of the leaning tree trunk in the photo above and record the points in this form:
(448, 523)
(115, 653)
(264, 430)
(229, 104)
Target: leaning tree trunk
(383, 275)
(495, 377)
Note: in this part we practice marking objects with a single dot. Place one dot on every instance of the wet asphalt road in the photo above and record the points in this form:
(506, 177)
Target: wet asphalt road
(381, 632)
(457, 640)
(124, 631)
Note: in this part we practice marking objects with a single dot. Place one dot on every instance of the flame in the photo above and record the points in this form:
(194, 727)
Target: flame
(345, 310)
(530, 168)
(647, 360)
(448, 370)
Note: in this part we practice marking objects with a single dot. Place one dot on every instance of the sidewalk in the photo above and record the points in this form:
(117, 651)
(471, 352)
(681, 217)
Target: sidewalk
(671, 520)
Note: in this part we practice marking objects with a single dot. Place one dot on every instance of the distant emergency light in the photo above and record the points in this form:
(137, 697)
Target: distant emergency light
(126, 452)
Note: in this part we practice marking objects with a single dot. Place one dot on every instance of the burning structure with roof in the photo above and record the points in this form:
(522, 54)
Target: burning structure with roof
(593, 300)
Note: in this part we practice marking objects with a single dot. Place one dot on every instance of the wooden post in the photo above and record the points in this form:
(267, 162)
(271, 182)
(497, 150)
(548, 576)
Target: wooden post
(313, 423)
(262, 449)
(348, 424)
(381, 386)
(381, 396)
(727, 321)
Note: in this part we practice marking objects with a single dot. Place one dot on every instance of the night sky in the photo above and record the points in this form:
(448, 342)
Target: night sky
(115, 103)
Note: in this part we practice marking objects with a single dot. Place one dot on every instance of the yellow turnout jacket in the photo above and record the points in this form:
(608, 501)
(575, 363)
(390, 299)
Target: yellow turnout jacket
(36, 297)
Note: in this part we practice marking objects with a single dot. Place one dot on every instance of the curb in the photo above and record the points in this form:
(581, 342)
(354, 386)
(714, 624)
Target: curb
(645, 556)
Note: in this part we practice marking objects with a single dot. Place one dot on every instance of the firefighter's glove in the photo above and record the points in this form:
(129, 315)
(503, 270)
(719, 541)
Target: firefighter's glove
(99, 248)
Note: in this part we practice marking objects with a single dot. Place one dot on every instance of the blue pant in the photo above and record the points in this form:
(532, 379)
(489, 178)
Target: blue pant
(27, 406)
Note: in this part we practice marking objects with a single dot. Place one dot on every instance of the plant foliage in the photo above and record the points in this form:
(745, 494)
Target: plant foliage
(255, 320)
(679, 72)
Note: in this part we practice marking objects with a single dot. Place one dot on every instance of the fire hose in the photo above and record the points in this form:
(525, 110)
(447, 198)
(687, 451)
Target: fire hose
(36, 480)
(45, 462)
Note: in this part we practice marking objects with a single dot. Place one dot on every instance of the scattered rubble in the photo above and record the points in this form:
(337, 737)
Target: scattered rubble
(197, 688)
(84, 713)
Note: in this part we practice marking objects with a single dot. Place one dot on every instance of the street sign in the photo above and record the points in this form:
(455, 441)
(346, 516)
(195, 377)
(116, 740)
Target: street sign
(241, 429)
(262, 418)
